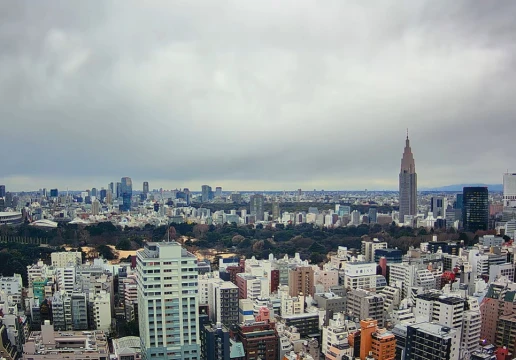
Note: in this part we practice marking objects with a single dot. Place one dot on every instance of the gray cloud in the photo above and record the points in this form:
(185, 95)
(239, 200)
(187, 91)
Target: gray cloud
(255, 95)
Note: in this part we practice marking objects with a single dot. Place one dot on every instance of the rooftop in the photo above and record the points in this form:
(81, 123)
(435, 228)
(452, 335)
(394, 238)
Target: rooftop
(434, 329)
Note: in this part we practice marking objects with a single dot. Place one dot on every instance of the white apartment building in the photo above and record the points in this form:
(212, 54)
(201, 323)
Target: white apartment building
(392, 298)
(359, 275)
(413, 278)
(64, 259)
(290, 305)
(101, 309)
(336, 333)
(168, 302)
(65, 277)
(12, 287)
(223, 302)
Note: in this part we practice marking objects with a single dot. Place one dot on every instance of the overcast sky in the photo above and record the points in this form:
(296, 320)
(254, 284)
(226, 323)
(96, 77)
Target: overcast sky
(250, 95)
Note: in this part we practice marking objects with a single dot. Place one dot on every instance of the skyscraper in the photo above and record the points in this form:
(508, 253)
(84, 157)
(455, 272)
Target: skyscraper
(126, 185)
(207, 193)
(475, 210)
(256, 206)
(2, 191)
(145, 187)
(168, 302)
(408, 183)
(218, 191)
(509, 190)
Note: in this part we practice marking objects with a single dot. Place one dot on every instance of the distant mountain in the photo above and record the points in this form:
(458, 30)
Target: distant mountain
(458, 187)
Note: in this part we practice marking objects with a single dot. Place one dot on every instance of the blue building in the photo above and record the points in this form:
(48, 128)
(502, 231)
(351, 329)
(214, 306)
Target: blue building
(126, 191)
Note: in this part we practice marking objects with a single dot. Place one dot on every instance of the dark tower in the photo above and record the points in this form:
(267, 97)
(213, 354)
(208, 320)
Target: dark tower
(408, 183)
(475, 209)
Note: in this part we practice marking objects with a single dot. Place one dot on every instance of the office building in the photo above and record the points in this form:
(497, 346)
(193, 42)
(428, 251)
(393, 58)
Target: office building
(95, 207)
(215, 342)
(102, 194)
(475, 212)
(392, 256)
(218, 191)
(126, 193)
(509, 190)
(145, 187)
(380, 343)
(54, 193)
(94, 192)
(256, 206)
(207, 193)
(118, 190)
(168, 302)
(2, 191)
(276, 213)
(359, 275)
(301, 281)
(111, 187)
(373, 215)
(438, 205)
(407, 184)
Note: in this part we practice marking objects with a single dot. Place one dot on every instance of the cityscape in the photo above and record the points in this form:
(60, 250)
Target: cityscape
(257, 180)
(177, 274)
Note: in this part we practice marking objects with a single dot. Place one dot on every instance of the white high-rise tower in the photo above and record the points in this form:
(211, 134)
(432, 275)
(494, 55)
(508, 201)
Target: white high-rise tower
(168, 302)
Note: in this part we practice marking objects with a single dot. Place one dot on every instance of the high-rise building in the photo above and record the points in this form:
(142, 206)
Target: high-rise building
(218, 191)
(509, 190)
(438, 206)
(373, 215)
(2, 191)
(118, 190)
(256, 206)
(408, 183)
(145, 187)
(94, 192)
(95, 207)
(275, 211)
(207, 193)
(126, 193)
(475, 211)
(168, 302)
(111, 187)
(102, 194)
(54, 193)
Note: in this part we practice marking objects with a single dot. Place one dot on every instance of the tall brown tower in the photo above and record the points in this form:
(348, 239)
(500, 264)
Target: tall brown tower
(408, 183)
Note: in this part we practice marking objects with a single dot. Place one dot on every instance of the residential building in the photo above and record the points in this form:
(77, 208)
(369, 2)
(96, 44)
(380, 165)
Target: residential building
(432, 341)
(301, 281)
(359, 275)
(259, 339)
(363, 304)
(168, 301)
(65, 259)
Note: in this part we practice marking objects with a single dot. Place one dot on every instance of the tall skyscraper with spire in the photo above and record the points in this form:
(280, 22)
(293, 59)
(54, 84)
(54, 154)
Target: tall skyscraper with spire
(408, 183)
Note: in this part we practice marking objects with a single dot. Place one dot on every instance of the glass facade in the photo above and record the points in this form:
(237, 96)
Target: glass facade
(475, 210)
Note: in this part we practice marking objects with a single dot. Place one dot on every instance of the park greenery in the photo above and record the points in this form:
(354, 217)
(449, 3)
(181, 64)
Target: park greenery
(311, 242)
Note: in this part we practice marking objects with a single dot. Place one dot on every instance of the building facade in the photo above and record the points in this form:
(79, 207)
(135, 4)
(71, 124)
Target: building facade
(407, 184)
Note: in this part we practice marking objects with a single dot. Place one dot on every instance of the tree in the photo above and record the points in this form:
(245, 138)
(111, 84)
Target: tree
(124, 244)
(106, 252)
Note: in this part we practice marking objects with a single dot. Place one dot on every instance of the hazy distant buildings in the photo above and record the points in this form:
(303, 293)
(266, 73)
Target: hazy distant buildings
(54, 193)
(408, 183)
(218, 191)
(145, 187)
(256, 206)
(475, 211)
(2, 191)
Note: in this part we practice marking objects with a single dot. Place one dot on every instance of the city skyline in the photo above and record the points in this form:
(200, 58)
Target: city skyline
(255, 96)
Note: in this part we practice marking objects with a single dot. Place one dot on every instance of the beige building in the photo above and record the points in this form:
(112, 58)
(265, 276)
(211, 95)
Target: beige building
(48, 344)
(301, 281)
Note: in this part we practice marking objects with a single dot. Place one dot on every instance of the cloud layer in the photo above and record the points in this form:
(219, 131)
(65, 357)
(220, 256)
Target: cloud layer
(255, 94)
